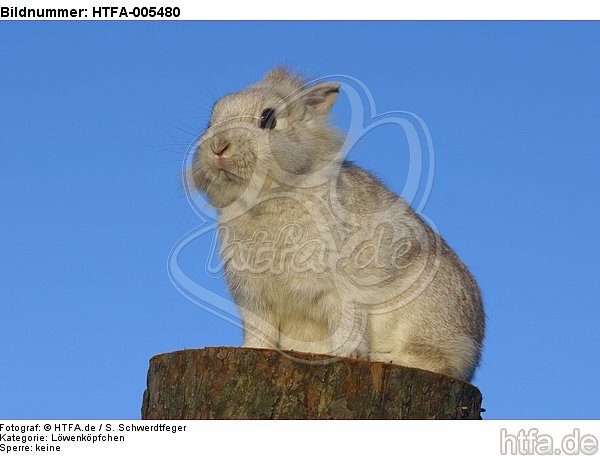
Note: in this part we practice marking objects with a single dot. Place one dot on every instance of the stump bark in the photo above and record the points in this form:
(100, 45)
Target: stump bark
(242, 383)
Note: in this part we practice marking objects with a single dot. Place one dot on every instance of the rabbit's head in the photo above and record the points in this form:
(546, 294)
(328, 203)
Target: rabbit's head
(278, 127)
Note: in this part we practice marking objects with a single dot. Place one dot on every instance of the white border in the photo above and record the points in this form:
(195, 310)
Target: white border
(349, 10)
(291, 438)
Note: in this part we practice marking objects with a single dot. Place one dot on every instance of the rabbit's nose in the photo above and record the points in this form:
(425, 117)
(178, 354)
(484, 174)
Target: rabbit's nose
(220, 148)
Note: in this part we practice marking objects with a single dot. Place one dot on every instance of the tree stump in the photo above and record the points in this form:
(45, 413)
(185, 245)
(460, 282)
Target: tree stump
(243, 383)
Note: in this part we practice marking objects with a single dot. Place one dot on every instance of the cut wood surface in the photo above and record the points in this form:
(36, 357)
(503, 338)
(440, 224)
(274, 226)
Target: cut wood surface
(243, 383)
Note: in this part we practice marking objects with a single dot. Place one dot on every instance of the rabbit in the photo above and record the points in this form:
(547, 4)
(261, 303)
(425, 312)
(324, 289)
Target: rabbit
(318, 254)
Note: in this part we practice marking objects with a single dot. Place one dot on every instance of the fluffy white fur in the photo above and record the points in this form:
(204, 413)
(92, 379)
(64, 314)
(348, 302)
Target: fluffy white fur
(319, 255)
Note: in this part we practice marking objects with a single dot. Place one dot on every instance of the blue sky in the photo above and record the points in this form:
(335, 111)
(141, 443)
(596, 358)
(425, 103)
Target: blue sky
(96, 118)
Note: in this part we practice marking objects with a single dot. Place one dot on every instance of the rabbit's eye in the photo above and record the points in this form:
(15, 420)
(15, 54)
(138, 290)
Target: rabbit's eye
(267, 119)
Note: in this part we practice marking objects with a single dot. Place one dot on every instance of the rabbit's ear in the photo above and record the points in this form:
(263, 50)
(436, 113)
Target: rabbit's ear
(321, 97)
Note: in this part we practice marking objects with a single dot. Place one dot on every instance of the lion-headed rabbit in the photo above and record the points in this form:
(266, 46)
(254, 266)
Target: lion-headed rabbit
(318, 254)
